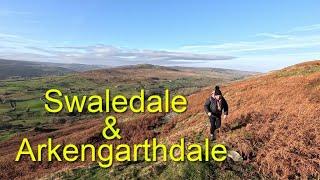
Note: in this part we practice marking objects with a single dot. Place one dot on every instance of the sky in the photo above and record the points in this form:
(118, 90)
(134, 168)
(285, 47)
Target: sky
(246, 35)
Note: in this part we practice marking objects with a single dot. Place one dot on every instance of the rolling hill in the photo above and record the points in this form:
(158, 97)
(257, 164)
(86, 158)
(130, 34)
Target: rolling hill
(28, 69)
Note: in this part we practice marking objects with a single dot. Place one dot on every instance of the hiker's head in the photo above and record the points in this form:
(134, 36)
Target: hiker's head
(217, 93)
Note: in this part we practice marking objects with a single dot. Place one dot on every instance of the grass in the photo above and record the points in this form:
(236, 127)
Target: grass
(6, 135)
(299, 71)
(188, 170)
(163, 170)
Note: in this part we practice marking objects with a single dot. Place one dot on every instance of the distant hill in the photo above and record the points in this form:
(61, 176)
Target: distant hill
(15, 69)
(27, 69)
(134, 73)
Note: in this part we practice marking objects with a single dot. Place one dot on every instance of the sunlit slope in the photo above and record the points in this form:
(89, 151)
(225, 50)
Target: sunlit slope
(274, 120)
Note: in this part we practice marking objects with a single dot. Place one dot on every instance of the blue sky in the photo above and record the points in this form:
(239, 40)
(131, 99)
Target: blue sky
(247, 35)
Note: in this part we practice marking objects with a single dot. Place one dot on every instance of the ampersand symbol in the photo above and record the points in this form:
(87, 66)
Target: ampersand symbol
(110, 126)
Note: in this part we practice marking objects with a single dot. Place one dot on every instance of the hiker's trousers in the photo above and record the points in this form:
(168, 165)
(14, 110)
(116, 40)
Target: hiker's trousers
(215, 123)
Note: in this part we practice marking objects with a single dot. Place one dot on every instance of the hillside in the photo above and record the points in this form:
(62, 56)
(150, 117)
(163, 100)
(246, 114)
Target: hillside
(136, 73)
(274, 123)
(29, 69)
(17, 69)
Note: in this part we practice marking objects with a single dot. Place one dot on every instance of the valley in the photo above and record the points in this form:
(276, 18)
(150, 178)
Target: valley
(28, 93)
(263, 127)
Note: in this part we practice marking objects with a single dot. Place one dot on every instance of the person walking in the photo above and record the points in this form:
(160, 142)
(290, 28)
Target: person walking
(214, 107)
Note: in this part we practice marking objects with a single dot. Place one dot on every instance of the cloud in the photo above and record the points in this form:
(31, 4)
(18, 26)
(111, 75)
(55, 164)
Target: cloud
(312, 27)
(254, 46)
(16, 39)
(23, 49)
(273, 35)
(266, 51)
(266, 42)
(104, 54)
(272, 49)
(4, 12)
(5, 35)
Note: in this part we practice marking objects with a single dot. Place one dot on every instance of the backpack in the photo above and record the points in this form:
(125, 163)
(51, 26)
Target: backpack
(214, 106)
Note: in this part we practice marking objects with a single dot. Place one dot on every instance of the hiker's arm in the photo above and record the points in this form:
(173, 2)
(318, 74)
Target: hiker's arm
(225, 107)
(207, 106)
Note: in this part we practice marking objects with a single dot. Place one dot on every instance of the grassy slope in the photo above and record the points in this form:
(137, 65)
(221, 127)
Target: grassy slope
(274, 123)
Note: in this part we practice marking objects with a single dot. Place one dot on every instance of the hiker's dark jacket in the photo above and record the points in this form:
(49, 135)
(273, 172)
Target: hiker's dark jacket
(211, 106)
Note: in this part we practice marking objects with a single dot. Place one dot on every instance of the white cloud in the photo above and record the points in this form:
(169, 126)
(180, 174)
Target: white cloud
(25, 49)
(264, 52)
(266, 42)
(103, 54)
(267, 51)
(306, 28)
(5, 12)
(5, 35)
(273, 35)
